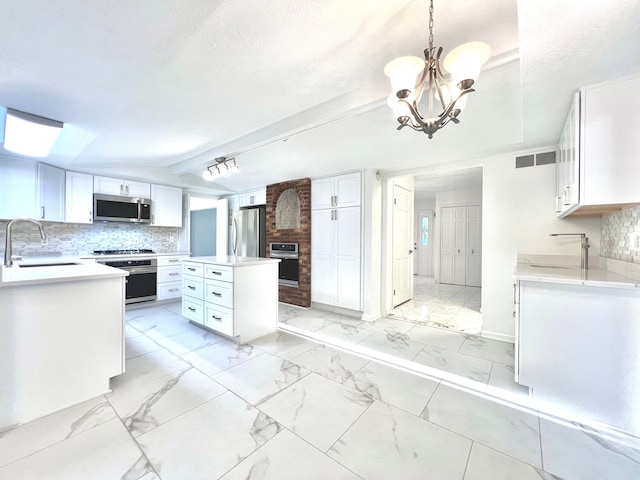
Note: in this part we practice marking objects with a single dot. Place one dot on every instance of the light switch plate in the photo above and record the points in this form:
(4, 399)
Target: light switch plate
(634, 241)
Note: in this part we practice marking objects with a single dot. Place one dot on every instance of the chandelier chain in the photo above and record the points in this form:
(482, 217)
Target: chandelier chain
(431, 25)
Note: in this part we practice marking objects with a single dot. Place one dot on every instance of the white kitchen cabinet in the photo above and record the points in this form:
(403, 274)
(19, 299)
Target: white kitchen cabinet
(170, 276)
(166, 206)
(460, 245)
(254, 197)
(118, 186)
(51, 193)
(335, 192)
(222, 295)
(598, 150)
(336, 257)
(17, 188)
(576, 349)
(79, 198)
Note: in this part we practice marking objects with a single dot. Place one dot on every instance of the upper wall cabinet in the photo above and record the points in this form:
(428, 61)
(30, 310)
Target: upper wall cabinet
(51, 193)
(117, 186)
(598, 150)
(166, 206)
(17, 188)
(254, 197)
(339, 191)
(79, 198)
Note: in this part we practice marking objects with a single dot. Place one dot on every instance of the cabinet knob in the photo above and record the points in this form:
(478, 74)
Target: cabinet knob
(42, 212)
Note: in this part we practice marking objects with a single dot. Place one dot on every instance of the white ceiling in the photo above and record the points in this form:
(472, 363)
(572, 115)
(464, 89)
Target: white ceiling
(292, 88)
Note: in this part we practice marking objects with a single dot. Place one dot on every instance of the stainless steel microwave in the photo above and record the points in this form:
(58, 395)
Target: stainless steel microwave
(112, 208)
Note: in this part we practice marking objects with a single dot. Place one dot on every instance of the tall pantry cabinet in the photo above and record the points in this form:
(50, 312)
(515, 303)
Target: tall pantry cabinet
(460, 245)
(336, 241)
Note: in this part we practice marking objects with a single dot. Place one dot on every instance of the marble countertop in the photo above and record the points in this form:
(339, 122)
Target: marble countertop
(55, 271)
(566, 270)
(232, 261)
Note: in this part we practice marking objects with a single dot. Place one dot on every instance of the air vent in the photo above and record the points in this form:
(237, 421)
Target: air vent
(545, 158)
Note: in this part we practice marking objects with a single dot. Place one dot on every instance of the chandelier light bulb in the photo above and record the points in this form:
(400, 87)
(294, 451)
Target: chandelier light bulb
(465, 61)
(404, 73)
(208, 175)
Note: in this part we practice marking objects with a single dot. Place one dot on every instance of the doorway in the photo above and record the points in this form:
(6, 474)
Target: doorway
(423, 243)
(203, 232)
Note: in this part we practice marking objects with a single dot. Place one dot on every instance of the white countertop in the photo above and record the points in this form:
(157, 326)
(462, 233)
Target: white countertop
(54, 273)
(232, 261)
(554, 269)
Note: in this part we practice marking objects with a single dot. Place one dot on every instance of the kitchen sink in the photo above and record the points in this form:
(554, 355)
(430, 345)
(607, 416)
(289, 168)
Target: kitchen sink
(47, 264)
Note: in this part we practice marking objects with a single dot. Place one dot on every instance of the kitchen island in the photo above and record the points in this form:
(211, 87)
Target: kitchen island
(577, 342)
(62, 336)
(234, 296)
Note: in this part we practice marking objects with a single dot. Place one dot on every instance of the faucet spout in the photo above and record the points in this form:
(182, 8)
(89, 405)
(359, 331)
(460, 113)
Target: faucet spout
(8, 244)
(584, 247)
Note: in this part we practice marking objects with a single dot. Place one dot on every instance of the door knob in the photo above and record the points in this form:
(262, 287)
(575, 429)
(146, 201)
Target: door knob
(410, 251)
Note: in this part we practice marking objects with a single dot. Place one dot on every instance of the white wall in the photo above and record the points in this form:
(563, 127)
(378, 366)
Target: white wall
(518, 216)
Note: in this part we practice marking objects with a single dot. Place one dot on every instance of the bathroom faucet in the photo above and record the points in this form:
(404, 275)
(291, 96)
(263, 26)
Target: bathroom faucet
(584, 247)
(8, 257)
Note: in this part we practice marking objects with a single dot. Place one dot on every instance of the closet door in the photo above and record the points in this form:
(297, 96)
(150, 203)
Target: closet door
(474, 246)
(459, 245)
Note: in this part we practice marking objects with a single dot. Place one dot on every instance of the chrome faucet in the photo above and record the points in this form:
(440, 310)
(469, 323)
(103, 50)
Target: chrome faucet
(8, 254)
(584, 247)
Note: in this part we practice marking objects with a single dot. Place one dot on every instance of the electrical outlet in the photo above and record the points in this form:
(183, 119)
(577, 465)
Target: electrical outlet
(135, 240)
(634, 241)
(172, 238)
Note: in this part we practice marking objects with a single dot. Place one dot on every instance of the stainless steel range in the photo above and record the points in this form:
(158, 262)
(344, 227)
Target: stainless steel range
(141, 284)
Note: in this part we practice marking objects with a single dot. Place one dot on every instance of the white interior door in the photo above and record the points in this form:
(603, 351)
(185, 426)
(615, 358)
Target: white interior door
(402, 245)
(474, 246)
(423, 243)
(446, 245)
(459, 245)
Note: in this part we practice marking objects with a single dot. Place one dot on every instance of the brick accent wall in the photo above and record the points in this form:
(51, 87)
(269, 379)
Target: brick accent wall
(300, 296)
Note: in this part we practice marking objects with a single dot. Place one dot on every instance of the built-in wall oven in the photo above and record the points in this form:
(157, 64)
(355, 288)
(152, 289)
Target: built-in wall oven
(288, 268)
(141, 284)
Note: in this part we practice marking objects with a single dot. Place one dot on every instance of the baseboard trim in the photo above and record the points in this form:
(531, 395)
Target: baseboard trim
(498, 336)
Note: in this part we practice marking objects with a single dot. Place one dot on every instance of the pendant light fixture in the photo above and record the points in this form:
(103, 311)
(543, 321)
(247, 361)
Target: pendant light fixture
(411, 76)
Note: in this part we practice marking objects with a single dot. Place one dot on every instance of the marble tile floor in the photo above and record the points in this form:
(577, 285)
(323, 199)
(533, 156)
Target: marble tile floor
(453, 307)
(193, 405)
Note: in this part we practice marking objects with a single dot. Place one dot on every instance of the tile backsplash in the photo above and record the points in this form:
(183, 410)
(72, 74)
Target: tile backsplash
(79, 239)
(616, 242)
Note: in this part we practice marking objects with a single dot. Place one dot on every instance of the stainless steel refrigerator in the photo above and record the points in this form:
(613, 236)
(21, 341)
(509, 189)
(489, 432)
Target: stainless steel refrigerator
(249, 232)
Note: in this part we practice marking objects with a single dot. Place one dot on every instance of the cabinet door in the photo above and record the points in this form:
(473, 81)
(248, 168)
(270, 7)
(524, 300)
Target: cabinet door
(323, 262)
(79, 198)
(166, 206)
(17, 188)
(347, 190)
(108, 185)
(348, 278)
(322, 193)
(255, 197)
(137, 189)
(51, 193)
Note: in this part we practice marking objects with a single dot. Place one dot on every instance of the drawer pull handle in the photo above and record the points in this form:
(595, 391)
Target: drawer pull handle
(174, 289)
(217, 294)
(191, 269)
(216, 273)
(216, 318)
(192, 309)
(191, 287)
(173, 274)
(173, 261)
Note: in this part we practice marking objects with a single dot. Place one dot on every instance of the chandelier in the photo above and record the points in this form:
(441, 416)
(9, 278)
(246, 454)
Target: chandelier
(411, 76)
(221, 168)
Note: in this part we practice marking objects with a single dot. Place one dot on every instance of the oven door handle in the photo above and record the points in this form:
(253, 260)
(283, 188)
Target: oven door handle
(138, 270)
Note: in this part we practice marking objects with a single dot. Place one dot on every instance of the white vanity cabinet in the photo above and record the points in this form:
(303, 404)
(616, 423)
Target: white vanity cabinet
(336, 247)
(170, 276)
(233, 296)
(79, 198)
(166, 206)
(598, 150)
(118, 186)
(577, 348)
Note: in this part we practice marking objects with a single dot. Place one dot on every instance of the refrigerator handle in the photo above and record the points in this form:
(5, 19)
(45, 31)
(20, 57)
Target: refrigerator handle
(235, 235)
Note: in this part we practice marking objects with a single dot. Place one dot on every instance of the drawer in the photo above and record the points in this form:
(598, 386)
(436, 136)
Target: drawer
(169, 274)
(220, 293)
(219, 319)
(170, 261)
(193, 286)
(169, 290)
(190, 268)
(193, 310)
(218, 272)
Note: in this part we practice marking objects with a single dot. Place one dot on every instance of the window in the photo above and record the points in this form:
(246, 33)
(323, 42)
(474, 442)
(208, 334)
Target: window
(425, 231)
